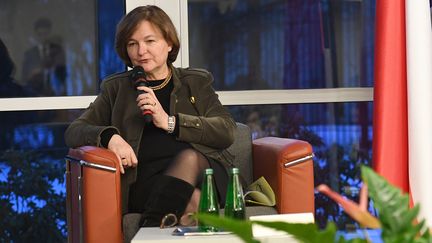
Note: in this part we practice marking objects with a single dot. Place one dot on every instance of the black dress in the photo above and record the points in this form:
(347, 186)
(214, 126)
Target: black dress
(156, 153)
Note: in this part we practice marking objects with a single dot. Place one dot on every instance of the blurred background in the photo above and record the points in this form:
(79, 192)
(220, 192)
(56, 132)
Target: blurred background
(65, 48)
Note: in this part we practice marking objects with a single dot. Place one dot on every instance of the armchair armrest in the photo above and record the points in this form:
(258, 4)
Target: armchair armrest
(93, 195)
(288, 167)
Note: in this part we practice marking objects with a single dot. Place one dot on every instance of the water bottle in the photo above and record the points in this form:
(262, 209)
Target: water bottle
(208, 200)
(234, 204)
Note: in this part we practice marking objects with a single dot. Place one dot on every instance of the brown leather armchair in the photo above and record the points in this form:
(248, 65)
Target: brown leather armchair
(93, 183)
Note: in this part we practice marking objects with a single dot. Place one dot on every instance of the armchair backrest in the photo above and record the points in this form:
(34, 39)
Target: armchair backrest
(242, 150)
(285, 163)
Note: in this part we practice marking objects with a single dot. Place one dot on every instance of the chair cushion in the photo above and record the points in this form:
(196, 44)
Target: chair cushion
(242, 150)
(130, 225)
(259, 210)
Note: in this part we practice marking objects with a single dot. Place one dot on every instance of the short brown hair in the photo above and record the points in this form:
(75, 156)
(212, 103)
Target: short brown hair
(155, 16)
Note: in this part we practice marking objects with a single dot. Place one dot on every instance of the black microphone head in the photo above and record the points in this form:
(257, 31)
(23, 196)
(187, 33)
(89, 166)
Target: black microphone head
(137, 74)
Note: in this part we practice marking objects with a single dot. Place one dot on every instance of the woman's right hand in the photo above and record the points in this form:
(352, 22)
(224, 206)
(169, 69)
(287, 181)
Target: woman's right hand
(123, 151)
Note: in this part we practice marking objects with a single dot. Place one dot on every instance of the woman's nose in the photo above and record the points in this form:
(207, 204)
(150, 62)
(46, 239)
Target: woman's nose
(142, 49)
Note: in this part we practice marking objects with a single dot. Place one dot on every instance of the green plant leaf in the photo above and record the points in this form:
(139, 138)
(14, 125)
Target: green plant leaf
(241, 228)
(309, 233)
(397, 219)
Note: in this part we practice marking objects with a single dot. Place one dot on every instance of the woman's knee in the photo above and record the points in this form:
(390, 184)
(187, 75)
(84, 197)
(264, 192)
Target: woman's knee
(193, 158)
(188, 166)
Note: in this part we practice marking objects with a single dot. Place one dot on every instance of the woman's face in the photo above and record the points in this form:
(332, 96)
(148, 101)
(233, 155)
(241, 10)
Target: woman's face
(147, 48)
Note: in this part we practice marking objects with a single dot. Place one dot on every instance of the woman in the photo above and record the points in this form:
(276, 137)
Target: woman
(161, 161)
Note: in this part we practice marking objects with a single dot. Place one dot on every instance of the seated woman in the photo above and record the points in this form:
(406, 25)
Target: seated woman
(162, 161)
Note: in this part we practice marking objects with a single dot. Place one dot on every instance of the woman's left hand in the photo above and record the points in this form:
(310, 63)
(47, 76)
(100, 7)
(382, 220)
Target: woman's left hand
(148, 101)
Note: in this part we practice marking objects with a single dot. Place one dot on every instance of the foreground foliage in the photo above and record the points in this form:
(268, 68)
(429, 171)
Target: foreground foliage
(397, 219)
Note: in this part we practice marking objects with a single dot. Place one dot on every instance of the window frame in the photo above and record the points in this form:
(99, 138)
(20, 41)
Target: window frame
(177, 10)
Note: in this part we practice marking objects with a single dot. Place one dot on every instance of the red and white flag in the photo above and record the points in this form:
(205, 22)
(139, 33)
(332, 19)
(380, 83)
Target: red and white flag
(402, 143)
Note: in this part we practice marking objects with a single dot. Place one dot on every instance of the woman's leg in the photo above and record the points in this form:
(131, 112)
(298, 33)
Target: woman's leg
(173, 191)
(188, 165)
(191, 207)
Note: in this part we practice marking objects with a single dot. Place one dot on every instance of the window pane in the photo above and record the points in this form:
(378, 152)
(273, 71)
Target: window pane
(32, 183)
(79, 36)
(57, 47)
(109, 14)
(279, 44)
(341, 135)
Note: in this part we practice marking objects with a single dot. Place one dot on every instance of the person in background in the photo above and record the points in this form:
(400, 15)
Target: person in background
(162, 162)
(8, 85)
(10, 88)
(44, 65)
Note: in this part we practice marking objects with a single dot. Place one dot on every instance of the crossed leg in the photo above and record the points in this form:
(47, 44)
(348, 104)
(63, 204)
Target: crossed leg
(189, 166)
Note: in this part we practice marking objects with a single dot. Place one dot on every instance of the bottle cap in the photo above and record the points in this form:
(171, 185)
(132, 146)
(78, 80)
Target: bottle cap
(235, 170)
(209, 171)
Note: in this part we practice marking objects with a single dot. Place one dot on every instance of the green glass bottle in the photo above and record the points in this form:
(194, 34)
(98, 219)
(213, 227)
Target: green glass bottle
(208, 200)
(234, 204)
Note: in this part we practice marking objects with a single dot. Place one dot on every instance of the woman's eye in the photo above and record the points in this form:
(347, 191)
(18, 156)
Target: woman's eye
(131, 44)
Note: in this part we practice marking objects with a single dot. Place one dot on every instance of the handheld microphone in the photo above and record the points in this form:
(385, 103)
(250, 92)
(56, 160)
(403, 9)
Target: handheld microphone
(138, 76)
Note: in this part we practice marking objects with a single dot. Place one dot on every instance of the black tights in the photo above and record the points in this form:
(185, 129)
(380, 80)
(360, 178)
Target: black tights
(188, 165)
(173, 190)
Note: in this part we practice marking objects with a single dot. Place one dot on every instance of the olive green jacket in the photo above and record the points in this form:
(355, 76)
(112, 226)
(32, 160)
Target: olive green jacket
(203, 121)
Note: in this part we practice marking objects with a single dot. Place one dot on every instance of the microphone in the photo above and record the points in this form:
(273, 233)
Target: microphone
(138, 77)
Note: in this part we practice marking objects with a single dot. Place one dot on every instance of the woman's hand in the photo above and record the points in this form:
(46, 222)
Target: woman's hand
(149, 101)
(123, 151)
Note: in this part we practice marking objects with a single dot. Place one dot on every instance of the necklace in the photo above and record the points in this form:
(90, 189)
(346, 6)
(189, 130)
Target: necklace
(163, 84)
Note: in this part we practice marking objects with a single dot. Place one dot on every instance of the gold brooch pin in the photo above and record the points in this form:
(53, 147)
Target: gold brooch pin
(192, 100)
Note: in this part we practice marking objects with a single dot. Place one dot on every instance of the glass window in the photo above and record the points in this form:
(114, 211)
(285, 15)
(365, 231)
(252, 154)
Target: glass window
(280, 44)
(57, 48)
(340, 134)
(32, 184)
(47, 48)
(296, 44)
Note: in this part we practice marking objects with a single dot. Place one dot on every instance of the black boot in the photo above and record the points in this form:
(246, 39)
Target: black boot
(169, 195)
